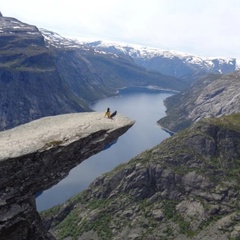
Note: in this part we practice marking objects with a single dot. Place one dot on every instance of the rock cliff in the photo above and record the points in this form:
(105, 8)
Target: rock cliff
(212, 96)
(37, 155)
(185, 188)
(30, 86)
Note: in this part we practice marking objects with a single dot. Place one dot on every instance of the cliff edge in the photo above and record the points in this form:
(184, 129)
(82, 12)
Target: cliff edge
(37, 155)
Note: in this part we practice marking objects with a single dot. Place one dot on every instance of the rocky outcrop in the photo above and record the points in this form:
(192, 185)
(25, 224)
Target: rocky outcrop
(212, 96)
(185, 188)
(37, 155)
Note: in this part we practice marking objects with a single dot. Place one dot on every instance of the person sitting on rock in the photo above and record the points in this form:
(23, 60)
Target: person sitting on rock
(108, 113)
(113, 114)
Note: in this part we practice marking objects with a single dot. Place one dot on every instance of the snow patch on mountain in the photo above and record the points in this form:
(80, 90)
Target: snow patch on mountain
(11, 25)
(58, 41)
(150, 58)
(238, 64)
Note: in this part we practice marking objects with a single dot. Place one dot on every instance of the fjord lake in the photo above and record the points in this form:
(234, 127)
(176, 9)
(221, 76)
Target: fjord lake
(143, 105)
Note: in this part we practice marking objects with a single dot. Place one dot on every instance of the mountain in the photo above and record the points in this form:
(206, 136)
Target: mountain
(114, 70)
(44, 74)
(187, 187)
(30, 85)
(211, 96)
(172, 63)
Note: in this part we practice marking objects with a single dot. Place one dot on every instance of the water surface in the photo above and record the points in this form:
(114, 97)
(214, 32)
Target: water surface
(145, 106)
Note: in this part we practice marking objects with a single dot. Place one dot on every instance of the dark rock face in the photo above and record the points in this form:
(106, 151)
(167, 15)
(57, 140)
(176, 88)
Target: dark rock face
(184, 188)
(39, 154)
(30, 84)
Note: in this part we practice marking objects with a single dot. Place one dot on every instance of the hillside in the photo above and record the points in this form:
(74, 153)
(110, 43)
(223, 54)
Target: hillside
(30, 86)
(212, 96)
(44, 74)
(185, 188)
(113, 71)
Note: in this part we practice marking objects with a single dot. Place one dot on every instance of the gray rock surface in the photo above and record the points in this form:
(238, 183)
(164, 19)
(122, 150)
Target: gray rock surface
(212, 96)
(219, 98)
(37, 155)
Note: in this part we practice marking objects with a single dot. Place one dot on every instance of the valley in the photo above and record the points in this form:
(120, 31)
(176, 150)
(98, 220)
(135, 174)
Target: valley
(186, 187)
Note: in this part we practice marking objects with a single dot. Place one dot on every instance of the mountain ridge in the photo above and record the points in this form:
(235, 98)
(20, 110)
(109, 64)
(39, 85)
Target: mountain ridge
(147, 56)
(153, 58)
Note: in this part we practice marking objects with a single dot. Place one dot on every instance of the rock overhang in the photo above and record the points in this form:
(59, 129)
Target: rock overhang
(54, 131)
(37, 155)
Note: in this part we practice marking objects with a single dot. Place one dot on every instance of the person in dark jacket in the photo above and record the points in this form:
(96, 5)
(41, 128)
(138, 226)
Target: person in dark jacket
(113, 114)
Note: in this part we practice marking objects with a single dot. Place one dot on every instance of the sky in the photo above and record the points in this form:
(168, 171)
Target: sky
(207, 28)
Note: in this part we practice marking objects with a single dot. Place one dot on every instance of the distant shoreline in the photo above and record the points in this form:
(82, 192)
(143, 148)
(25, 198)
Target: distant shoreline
(149, 87)
(166, 130)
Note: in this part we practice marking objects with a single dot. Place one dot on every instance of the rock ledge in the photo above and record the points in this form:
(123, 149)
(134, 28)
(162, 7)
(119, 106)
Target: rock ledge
(37, 155)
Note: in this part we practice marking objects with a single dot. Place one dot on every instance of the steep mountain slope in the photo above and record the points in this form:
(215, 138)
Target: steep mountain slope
(181, 65)
(212, 96)
(30, 86)
(42, 74)
(112, 70)
(185, 188)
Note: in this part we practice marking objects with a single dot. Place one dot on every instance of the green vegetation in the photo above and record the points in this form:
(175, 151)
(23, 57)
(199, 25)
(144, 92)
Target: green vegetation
(31, 58)
(69, 227)
(231, 122)
(74, 225)
(50, 212)
(169, 209)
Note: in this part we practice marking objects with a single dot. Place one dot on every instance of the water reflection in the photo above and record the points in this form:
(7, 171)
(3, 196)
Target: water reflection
(110, 144)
